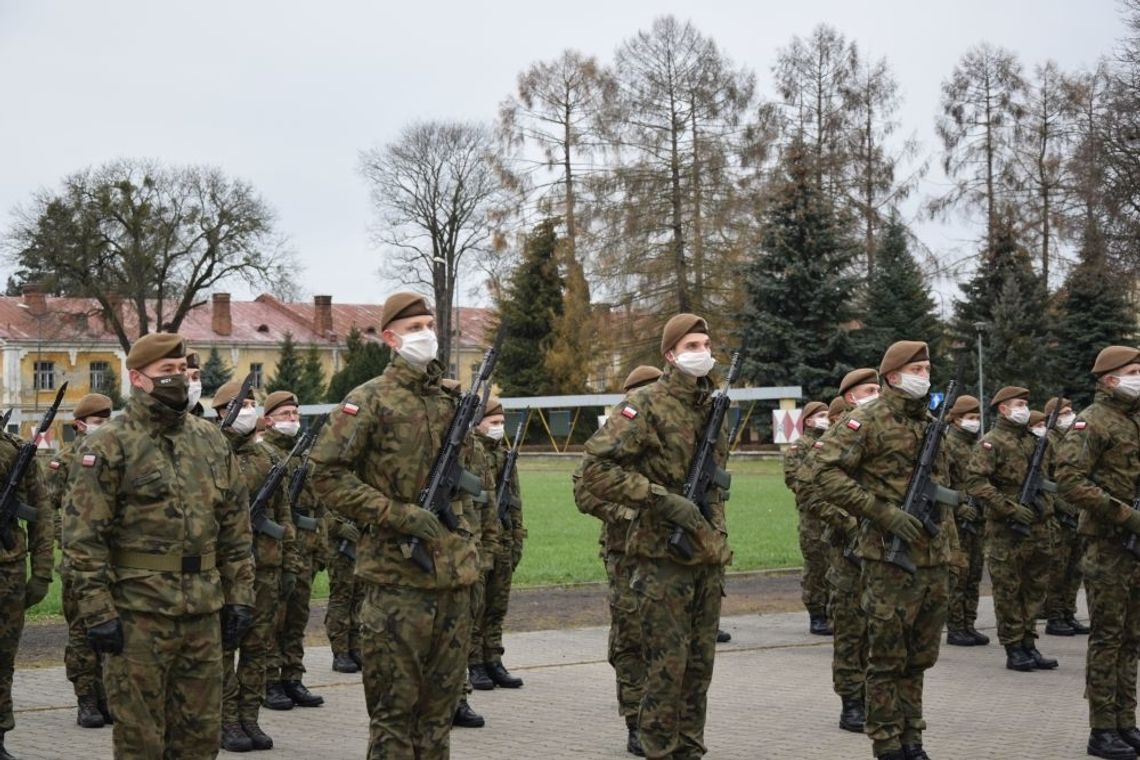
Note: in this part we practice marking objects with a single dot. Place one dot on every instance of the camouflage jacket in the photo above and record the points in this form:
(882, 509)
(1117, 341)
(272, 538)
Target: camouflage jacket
(487, 529)
(996, 471)
(34, 538)
(1056, 435)
(649, 440)
(794, 458)
(835, 517)
(377, 448)
(156, 482)
(58, 468)
(615, 518)
(308, 541)
(959, 445)
(865, 464)
(255, 462)
(497, 452)
(1098, 464)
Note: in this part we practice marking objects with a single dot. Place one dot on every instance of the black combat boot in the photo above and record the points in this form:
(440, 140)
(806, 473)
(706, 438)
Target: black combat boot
(852, 716)
(818, 625)
(633, 743)
(357, 658)
(300, 695)
(1107, 743)
(1059, 627)
(465, 717)
(1078, 627)
(1040, 661)
(502, 677)
(343, 663)
(4, 754)
(257, 737)
(1131, 737)
(914, 752)
(1018, 659)
(723, 637)
(896, 754)
(480, 680)
(234, 739)
(276, 698)
(981, 638)
(88, 715)
(960, 638)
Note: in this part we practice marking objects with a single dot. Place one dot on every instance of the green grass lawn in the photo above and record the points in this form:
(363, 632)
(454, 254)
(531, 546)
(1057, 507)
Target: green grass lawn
(562, 546)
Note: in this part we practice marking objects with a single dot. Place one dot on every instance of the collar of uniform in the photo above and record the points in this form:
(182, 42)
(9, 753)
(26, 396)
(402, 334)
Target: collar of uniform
(145, 406)
(1112, 401)
(412, 377)
(685, 387)
(279, 440)
(811, 433)
(1004, 425)
(902, 404)
(239, 441)
(965, 435)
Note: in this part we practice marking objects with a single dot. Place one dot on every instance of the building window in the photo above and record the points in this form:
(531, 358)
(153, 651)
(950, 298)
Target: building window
(256, 370)
(100, 376)
(43, 376)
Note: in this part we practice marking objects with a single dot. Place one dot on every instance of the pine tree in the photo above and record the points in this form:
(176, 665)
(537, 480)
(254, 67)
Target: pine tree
(215, 373)
(364, 360)
(287, 374)
(110, 389)
(531, 304)
(800, 288)
(311, 389)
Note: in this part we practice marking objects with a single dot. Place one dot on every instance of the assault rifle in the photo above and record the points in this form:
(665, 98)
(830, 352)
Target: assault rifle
(259, 518)
(11, 508)
(4, 420)
(503, 496)
(1035, 483)
(301, 474)
(971, 526)
(238, 402)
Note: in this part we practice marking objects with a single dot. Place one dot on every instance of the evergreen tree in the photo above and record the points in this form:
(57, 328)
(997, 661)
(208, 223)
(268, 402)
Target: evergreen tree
(531, 304)
(364, 360)
(215, 373)
(287, 374)
(800, 287)
(110, 389)
(311, 389)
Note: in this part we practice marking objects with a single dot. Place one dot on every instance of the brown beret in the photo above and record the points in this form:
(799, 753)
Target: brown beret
(902, 353)
(858, 377)
(1036, 418)
(837, 408)
(1051, 403)
(643, 375)
(1007, 393)
(278, 399)
(227, 393)
(192, 360)
(402, 306)
(150, 348)
(494, 406)
(680, 326)
(812, 409)
(1114, 357)
(92, 405)
(965, 404)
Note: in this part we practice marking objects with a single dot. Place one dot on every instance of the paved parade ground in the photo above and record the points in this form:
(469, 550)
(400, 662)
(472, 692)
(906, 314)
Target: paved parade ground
(771, 698)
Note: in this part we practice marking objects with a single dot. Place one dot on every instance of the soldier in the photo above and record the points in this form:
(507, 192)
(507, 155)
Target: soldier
(864, 466)
(84, 666)
(813, 581)
(486, 662)
(276, 568)
(625, 652)
(640, 459)
(961, 438)
(1098, 468)
(1061, 598)
(371, 461)
(346, 594)
(194, 390)
(286, 662)
(1018, 538)
(156, 534)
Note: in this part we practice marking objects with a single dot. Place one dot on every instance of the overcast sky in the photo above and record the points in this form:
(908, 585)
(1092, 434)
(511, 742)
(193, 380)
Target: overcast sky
(284, 94)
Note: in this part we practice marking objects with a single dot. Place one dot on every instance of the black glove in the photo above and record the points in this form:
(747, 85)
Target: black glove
(236, 621)
(106, 638)
(349, 532)
(288, 584)
(905, 526)
(414, 520)
(678, 510)
(35, 591)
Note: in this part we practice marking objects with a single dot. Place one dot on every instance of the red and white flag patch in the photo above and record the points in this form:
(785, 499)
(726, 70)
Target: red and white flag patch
(1080, 425)
(88, 460)
(817, 445)
(351, 409)
(854, 424)
(54, 464)
(987, 445)
(629, 412)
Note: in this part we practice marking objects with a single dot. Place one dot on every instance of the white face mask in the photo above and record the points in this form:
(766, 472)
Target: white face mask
(419, 347)
(1018, 416)
(193, 393)
(915, 386)
(694, 363)
(971, 426)
(820, 423)
(1129, 386)
(495, 432)
(1038, 431)
(866, 400)
(1065, 421)
(246, 420)
(288, 427)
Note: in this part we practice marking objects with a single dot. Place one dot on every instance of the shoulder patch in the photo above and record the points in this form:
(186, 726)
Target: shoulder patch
(1080, 425)
(351, 409)
(629, 412)
(88, 460)
(817, 445)
(987, 445)
(54, 464)
(854, 424)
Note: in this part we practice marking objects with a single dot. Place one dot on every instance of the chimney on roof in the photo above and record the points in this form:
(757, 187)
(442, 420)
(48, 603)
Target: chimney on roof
(322, 315)
(221, 321)
(35, 301)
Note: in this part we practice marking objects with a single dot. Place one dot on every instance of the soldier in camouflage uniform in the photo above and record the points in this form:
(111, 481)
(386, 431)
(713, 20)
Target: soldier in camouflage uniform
(813, 581)
(640, 459)
(156, 534)
(346, 594)
(194, 378)
(961, 440)
(486, 661)
(1018, 538)
(1061, 599)
(284, 688)
(625, 652)
(370, 463)
(1098, 468)
(277, 565)
(865, 465)
(83, 665)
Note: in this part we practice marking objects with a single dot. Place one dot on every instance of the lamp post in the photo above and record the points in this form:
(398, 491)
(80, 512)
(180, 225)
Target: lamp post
(980, 328)
(451, 276)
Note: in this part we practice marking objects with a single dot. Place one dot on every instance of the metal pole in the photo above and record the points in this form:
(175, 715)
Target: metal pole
(980, 327)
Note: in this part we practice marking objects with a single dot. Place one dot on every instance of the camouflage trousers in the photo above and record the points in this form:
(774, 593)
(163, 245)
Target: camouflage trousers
(1061, 598)
(1112, 582)
(849, 625)
(1020, 572)
(414, 643)
(244, 683)
(679, 610)
(905, 615)
(964, 585)
(487, 636)
(82, 665)
(342, 616)
(478, 598)
(13, 580)
(165, 689)
(625, 652)
(287, 658)
(813, 582)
